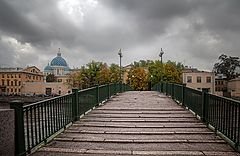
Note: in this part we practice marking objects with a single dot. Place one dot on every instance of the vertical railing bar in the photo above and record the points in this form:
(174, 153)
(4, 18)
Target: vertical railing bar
(225, 118)
(58, 116)
(228, 119)
(27, 128)
(43, 136)
(53, 116)
(65, 111)
(45, 121)
(221, 116)
(217, 114)
(31, 120)
(48, 119)
(232, 119)
(39, 124)
(35, 125)
(235, 125)
(238, 138)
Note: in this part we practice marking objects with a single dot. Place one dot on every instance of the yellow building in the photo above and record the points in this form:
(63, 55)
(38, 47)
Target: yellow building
(196, 79)
(12, 79)
(47, 88)
(233, 87)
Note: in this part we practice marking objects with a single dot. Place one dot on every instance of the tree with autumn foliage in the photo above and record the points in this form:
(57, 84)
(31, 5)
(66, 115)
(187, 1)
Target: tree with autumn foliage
(138, 78)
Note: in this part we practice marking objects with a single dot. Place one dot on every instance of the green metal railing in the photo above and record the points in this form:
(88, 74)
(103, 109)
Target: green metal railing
(223, 114)
(37, 122)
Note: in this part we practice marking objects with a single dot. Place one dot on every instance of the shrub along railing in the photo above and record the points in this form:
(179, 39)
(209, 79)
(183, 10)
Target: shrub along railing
(223, 114)
(38, 122)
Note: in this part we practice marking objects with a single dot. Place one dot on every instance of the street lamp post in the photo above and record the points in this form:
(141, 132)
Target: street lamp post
(161, 55)
(120, 72)
(120, 56)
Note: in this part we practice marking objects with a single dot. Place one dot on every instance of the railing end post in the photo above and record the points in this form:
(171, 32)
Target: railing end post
(204, 104)
(20, 148)
(75, 104)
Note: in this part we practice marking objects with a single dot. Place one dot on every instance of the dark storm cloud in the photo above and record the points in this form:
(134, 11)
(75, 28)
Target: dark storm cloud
(200, 30)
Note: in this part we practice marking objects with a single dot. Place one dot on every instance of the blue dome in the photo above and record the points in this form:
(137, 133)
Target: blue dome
(47, 68)
(58, 61)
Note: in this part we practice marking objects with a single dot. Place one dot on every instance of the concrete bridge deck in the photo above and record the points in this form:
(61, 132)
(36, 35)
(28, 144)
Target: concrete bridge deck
(138, 123)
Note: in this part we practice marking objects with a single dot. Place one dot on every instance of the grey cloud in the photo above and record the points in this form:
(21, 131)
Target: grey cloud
(209, 29)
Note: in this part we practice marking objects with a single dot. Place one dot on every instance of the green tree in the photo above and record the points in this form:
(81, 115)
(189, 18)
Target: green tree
(227, 65)
(104, 75)
(114, 73)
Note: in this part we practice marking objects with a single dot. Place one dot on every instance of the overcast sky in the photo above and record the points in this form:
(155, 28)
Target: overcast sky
(193, 32)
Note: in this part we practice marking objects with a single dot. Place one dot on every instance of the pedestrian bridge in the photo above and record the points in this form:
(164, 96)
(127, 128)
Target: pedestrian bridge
(130, 123)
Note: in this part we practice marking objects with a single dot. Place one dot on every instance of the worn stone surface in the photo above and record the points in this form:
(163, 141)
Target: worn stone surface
(138, 123)
(7, 130)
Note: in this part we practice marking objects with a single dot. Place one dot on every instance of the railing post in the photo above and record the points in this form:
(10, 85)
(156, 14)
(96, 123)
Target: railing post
(20, 149)
(75, 104)
(161, 86)
(204, 104)
(172, 85)
(167, 88)
(97, 94)
(183, 94)
(108, 90)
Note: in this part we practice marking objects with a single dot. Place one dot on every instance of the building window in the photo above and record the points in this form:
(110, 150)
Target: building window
(19, 83)
(208, 79)
(11, 83)
(15, 89)
(2, 75)
(19, 75)
(7, 89)
(199, 79)
(7, 82)
(7, 76)
(11, 90)
(3, 82)
(189, 79)
(15, 82)
(19, 90)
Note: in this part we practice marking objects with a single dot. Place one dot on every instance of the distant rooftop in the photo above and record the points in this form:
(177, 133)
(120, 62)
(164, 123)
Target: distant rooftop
(188, 69)
(11, 69)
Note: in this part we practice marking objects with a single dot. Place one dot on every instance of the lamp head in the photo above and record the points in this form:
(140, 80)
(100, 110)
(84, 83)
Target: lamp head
(120, 52)
(161, 53)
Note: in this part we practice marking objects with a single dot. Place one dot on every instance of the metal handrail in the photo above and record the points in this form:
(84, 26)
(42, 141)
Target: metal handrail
(221, 113)
(36, 123)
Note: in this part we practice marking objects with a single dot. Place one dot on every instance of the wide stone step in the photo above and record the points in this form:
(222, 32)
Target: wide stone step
(125, 140)
(141, 115)
(97, 111)
(143, 136)
(132, 120)
(127, 129)
(150, 146)
(139, 125)
(97, 152)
